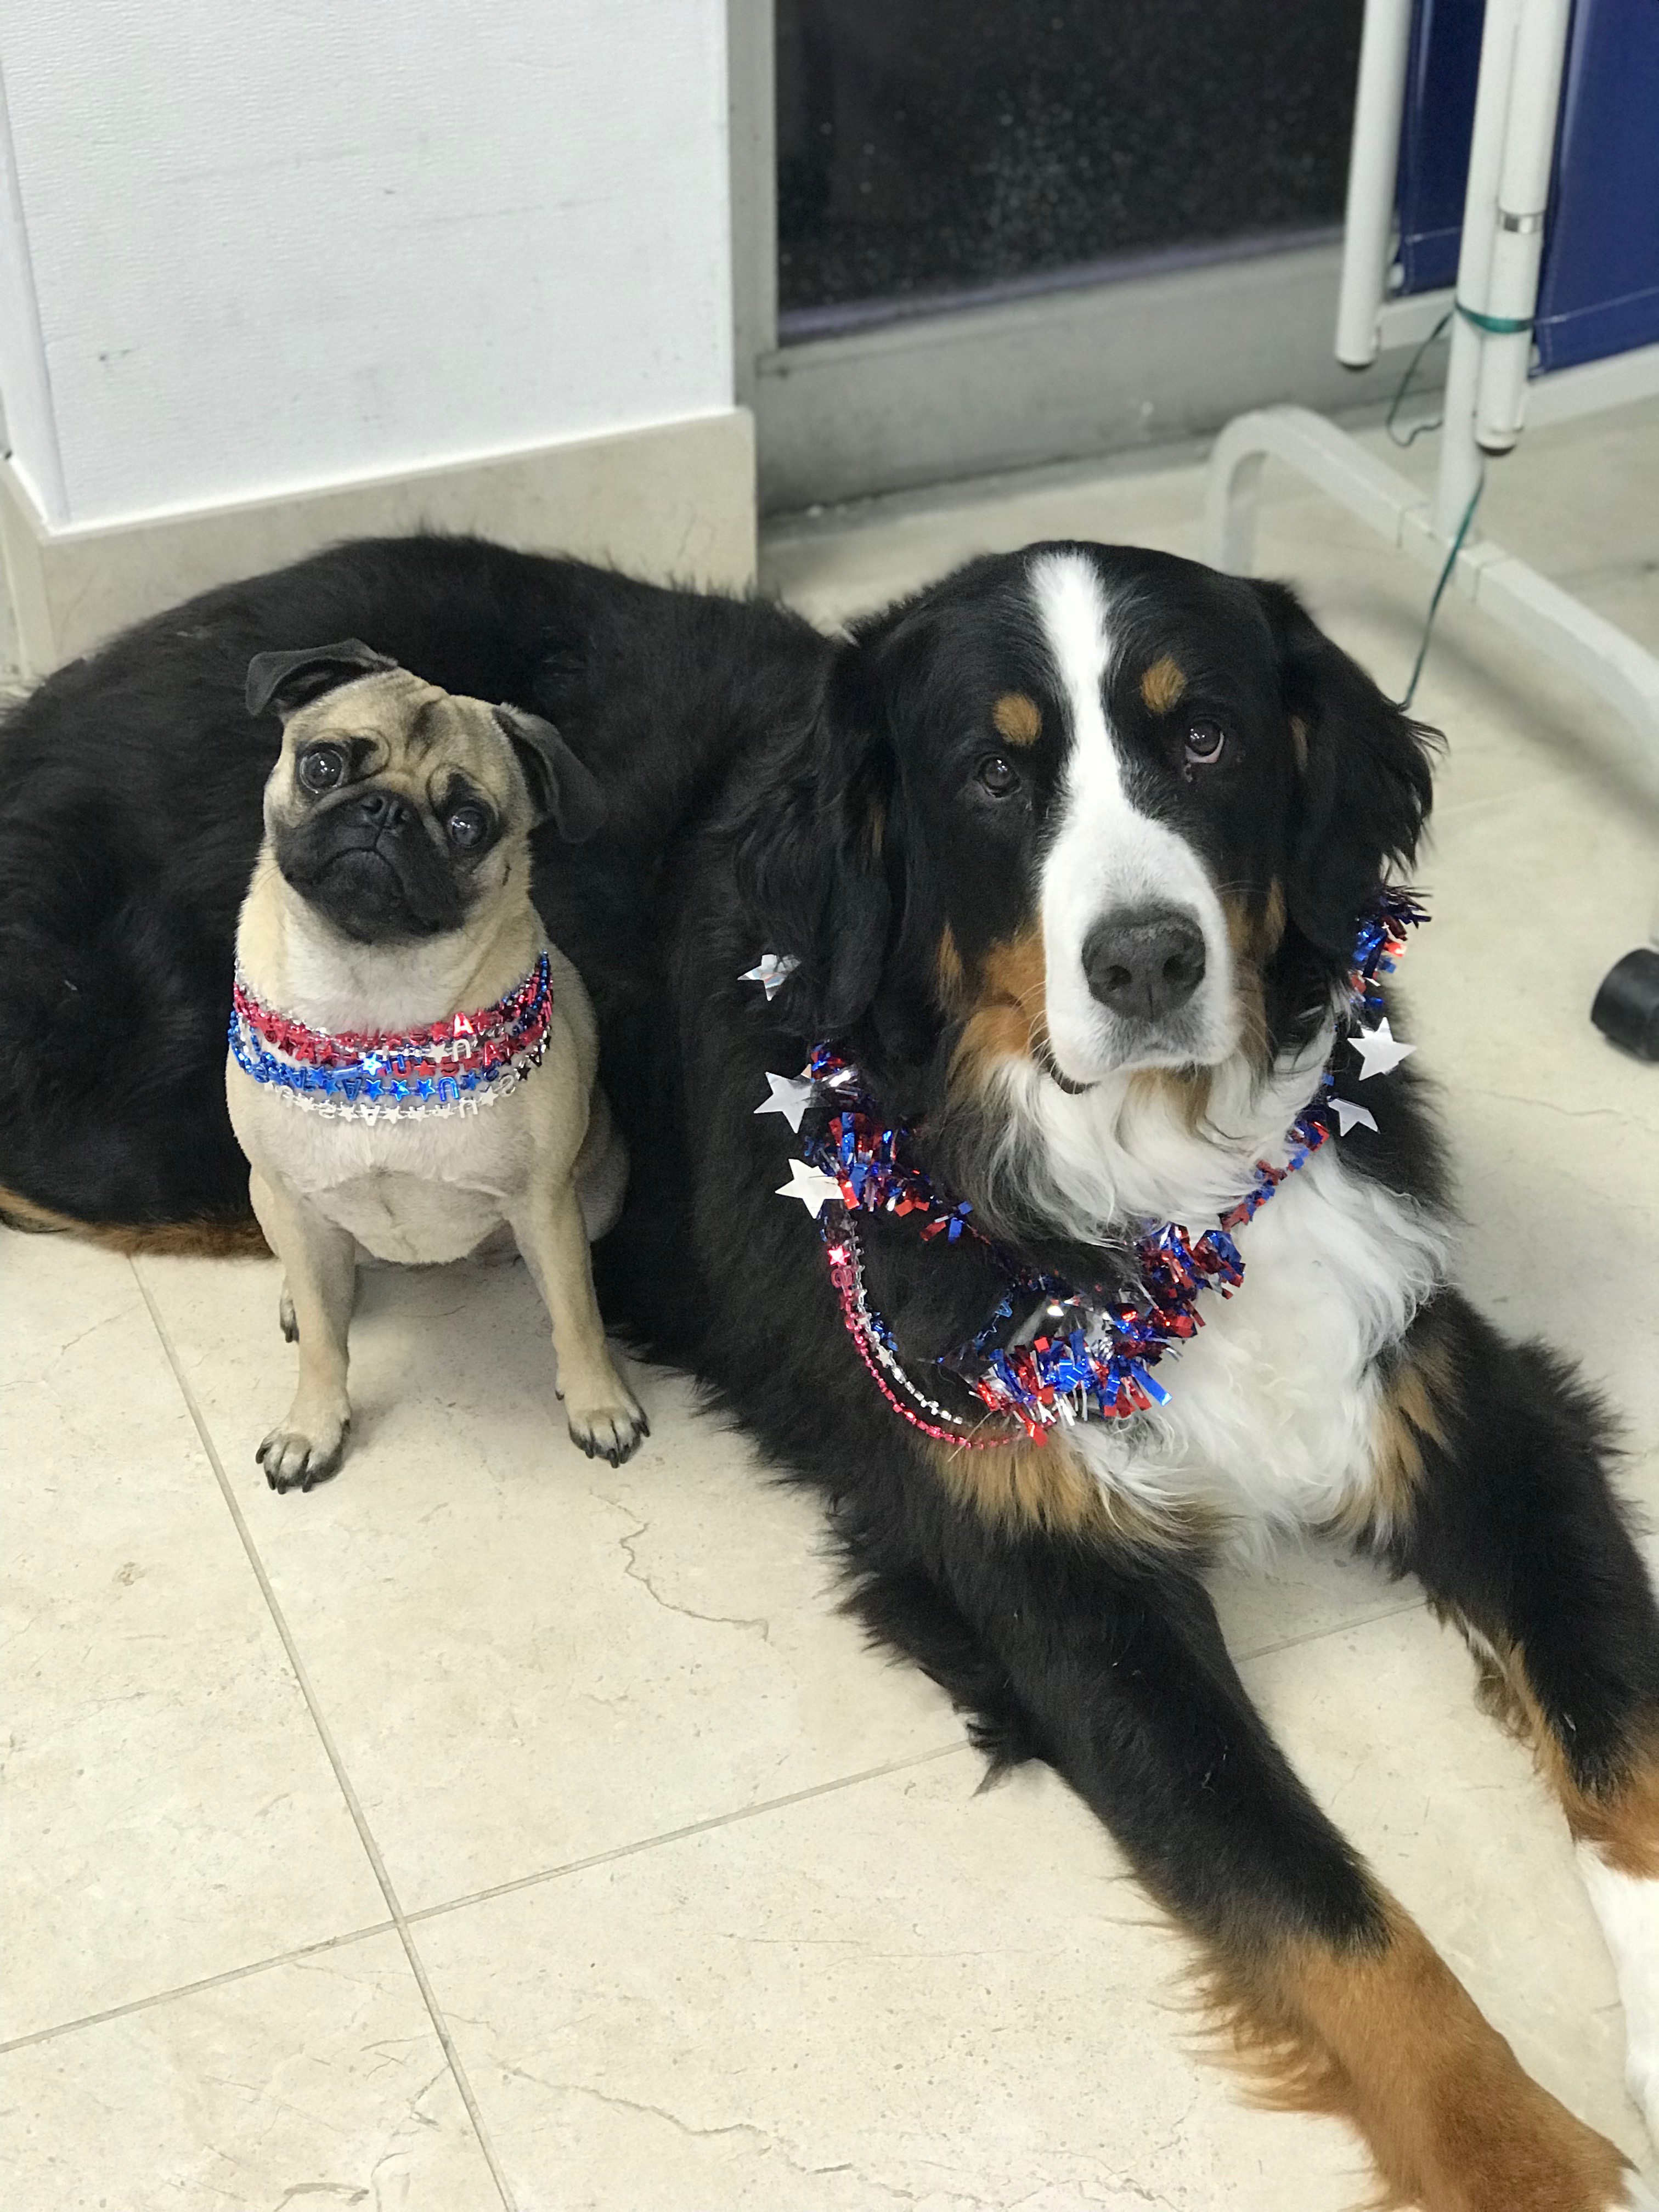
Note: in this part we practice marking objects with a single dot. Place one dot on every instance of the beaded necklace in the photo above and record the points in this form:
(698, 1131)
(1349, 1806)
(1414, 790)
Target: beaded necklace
(457, 1066)
(1079, 1358)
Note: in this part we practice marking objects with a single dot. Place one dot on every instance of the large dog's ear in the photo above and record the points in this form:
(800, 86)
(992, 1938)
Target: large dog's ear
(560, 788)
(812, 853)
(1364, 782)
(288, 681)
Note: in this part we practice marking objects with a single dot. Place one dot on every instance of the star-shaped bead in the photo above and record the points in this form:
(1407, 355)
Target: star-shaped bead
(1380, 1050)
(810, 1186)
(1347, 1114)
(791, 1097)
(772, 971)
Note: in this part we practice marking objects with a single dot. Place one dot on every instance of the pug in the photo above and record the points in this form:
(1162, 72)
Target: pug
(412, 1066)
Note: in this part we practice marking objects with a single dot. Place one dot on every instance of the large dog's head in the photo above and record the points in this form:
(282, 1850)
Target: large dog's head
(397, 810)
(1080, 817)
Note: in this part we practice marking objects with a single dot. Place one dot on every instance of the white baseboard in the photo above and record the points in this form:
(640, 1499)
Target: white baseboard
(674, 502)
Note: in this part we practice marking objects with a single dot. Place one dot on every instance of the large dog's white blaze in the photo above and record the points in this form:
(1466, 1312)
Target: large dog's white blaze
(1107, 854)
(1628, 1909)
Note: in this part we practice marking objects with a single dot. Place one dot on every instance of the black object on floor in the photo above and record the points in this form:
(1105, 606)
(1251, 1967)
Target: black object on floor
(1626, 1009)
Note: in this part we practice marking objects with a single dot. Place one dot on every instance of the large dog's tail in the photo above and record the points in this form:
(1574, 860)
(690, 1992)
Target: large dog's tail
(221, 1239)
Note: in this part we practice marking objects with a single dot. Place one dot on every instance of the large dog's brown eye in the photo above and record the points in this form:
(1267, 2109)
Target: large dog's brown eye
(321, 768)
(997, 776)
(467, 825)
(1206, 742)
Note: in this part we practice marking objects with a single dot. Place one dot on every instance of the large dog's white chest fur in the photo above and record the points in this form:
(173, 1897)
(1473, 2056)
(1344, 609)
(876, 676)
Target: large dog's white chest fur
(1272, 1418)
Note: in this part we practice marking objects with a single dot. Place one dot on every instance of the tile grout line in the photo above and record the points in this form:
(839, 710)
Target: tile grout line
(476, 1897)
(1242, 1659)
(191, 1989)
(692, 1828)
(354, 1807)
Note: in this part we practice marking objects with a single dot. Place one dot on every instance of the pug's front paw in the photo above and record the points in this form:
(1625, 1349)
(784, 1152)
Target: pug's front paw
(607, 1426)
(296, 1458)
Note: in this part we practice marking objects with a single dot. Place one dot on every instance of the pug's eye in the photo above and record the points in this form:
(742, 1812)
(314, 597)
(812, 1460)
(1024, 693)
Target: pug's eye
(467, 825)
(1206, 742)
(997, 776)
(320, 768)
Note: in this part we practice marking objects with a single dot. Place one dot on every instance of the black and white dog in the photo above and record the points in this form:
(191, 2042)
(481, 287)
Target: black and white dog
(1069, 854)
(1070, 851)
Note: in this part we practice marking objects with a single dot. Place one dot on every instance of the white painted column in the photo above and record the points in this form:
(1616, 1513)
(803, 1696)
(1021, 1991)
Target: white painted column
(251, 258)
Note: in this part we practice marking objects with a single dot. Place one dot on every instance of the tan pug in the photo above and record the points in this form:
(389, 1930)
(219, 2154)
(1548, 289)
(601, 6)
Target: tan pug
(391, 894)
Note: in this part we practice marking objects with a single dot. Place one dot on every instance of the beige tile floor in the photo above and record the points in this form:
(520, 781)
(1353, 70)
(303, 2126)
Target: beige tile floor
(490, 1828)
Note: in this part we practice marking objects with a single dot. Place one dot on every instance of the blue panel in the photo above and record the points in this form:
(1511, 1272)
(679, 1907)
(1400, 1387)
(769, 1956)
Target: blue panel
(1600, 291)
(1434, 142)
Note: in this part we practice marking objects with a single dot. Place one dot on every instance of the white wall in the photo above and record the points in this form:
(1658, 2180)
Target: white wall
(251, 247)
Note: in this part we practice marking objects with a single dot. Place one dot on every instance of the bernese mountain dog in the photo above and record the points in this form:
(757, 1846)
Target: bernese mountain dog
(1015, 933)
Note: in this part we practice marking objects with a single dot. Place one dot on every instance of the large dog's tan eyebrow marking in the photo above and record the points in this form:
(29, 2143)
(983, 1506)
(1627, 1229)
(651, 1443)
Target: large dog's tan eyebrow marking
(1162, 684)
(1018, 718)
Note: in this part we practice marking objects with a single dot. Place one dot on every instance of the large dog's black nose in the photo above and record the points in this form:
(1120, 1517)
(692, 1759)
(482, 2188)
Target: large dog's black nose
(1144, 961)
(384, 809)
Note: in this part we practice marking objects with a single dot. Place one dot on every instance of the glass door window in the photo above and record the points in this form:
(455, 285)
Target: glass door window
(934, 152)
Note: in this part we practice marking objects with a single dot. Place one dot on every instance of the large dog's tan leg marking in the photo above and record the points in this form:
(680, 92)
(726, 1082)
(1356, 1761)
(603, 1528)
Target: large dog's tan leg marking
(1386, 2038)
(319, 1265)
(1021, 1485)
(1042, 1485)
(1411, 1413)
(605, 1419)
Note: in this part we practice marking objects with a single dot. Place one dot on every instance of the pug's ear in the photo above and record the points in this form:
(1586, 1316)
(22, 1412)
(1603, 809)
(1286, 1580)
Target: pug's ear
(561, 789)
(1366, 785)
(285, 682)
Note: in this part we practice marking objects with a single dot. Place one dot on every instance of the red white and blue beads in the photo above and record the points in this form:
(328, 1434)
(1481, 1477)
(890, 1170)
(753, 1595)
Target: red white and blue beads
(456, 1066)
(1082, 1359)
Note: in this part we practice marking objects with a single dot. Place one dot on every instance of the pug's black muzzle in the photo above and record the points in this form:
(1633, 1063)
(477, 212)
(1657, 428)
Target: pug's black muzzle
(370, 865)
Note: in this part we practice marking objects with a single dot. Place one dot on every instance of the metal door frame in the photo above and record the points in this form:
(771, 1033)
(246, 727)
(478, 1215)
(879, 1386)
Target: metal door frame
(1054, 375)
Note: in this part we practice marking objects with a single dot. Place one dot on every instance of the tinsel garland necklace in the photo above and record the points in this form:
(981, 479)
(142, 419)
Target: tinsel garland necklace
(1083, 1359)
(456, 1066)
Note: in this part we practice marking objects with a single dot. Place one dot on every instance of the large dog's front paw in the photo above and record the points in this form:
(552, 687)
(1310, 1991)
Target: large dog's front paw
(607, 1422)
(297, 1455)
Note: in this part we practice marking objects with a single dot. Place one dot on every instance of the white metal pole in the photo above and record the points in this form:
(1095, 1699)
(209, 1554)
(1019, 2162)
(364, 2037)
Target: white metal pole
(1460, 455)
(1523, 191)
(1373, 168)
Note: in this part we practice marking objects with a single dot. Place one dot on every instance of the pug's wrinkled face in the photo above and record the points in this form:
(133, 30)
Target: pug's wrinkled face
(398, 812)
